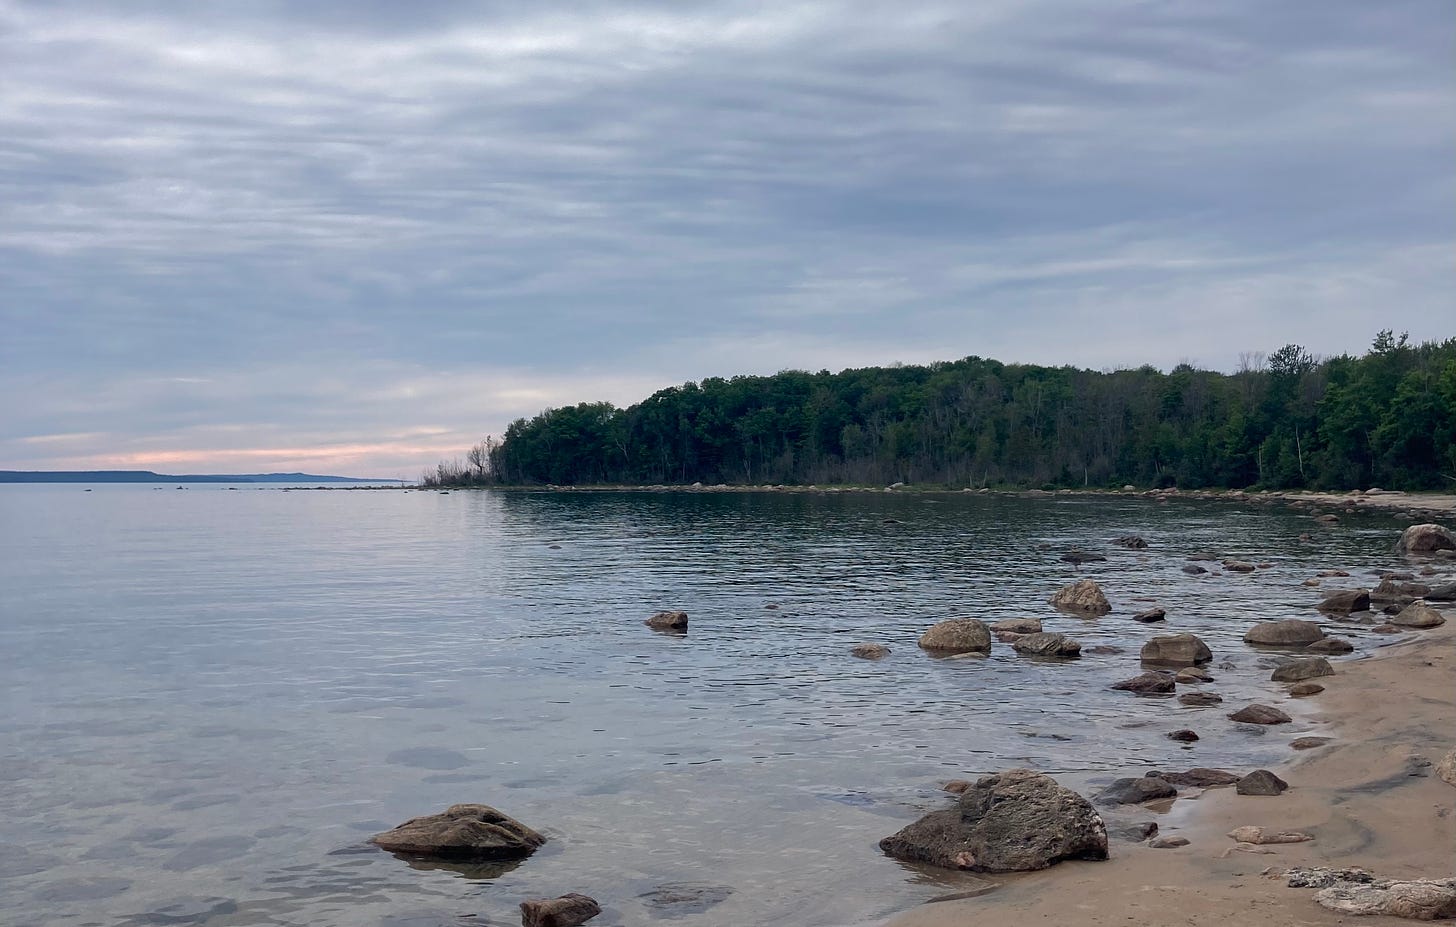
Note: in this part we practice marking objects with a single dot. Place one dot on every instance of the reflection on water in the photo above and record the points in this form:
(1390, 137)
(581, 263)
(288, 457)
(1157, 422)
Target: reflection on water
(214, 698)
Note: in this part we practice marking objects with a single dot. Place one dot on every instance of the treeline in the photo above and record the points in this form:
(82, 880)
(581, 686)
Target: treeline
(1287, 420)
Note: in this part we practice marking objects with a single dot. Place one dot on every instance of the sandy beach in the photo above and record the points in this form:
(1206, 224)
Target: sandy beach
(1357, 796)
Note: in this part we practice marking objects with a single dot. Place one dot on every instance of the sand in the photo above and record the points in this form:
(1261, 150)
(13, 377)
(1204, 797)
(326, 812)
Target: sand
(1356, 796)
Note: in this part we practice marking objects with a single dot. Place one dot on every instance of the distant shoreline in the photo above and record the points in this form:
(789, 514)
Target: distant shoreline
(149, 476)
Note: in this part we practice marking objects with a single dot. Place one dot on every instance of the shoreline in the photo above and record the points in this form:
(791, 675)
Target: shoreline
(1362, 797)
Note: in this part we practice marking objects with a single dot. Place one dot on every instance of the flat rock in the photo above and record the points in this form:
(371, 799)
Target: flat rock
(680, 899)
(1305, 689)
(1199, 777)
(1260, 714)
(1308, 743)
(1261, 782)
(1417, 900)
(1147, 683)
(569, 910)
(1018, 625)
(1343, 603)
(1083, 597)
(1302, 669)
(1076, 556)
(1176, 650)
(1150, 615)
(1104, 649)
(668, 621)
(1291, 632)
(1331, 645)
(468, 832)
(869, 651)
(1418, 615)
(1258, 835)
(1238, 566)
(1169, 843)
(1193, 674)
(1199, 699)
(1135, 791)
(1047, 644)
(1013, 821)
(957, 635)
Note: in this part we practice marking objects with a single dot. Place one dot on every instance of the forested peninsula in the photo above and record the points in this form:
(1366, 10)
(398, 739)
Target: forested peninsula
(1287, 420)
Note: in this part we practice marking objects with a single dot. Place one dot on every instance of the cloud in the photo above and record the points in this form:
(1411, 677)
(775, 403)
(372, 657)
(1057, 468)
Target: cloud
(344, 220)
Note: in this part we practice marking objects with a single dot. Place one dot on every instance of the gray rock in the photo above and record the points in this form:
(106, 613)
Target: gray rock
(1193, 569)
(1425, 539)
(957, 635)
(1176, 650)
(1137, 833)
(1308, 743)
(1446, 769)
(1261, 782)
(1075, 556)
(1013, 821)
(469, 832)
(1305, 689)
(569, 910)
(1183, 736)
(1442, 593)
(1291, 632)
(1083, 597)
(1417, 900)
(1047, 644)
(1238, 566)
(1169, 843)
(1302, 669)
(1418, 615)
(869, 651)
(1130, 791)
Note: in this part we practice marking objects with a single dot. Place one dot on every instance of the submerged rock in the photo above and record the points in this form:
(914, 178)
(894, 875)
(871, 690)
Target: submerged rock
(1305, 689)
(869, 651)
(957, 635)
(1013, 821)
(1076, 556)
(1199, 699)
(1169, 843)
(1290, 632)
(1176, 650)
(1083, 597)
(1190, 675)
(569, 910)
(1018, 625)
(1183, 736)
(462, 832)
(1302, 669)
(1193, 569)
(1238, 566)
(1147, 683)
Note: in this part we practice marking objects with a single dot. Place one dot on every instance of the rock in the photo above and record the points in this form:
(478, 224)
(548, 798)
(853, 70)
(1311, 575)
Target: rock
(1130, 791)
(679, 899)
(1169, 843)
(1332, 573)
(1146, 684)
(1083, 597)
(1291, 632)
(1310, 582)
(1104, 649)
(957, 635)
(1193, 674)
(1308, 743)
(1193, 569)
(1320, 877)
(668, 621)
(1176, 650)
(869, 651)
(1199, 777)
(1013, 821)
(1150, 616)
(1305, 689)
(1018, 625)
(957, 786)
(567, 911)
(1260, 714)
(1343, 603)
(1047, 644)
(1302, 669)
(1257, 835)
(1198, 555)
(1238, 566)
(1446, 592)
(1143, 830)
(1260, 782)
(1199, 699)
(471, 832)
(1183, 736)
(1327, 519)
(1007, 637)
(1401, 593)
(1417, 900)
(1077, 557)
(1425, 539)
(1418, 615)
(1332, 645)
(1446, 769)
(1131, 542)
(1385, 629)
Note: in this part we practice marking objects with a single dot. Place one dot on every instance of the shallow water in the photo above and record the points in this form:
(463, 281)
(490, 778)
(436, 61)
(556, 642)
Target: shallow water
(212, 697)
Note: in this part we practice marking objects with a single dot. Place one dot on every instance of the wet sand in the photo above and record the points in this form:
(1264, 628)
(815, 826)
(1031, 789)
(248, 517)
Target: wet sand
(1356, 796)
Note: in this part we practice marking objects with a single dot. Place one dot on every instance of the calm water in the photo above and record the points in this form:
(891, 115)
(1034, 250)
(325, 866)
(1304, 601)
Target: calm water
(212, 698)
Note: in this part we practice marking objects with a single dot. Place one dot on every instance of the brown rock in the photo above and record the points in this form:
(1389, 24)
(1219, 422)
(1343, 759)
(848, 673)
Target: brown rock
(1135, 791)
(1193, 674)
(1183, 736)
(1176, 650)
(1018, 625)
(1343, 603)
(1291, 632)
(869, 651)
(1308, 743)
(1238, 566)
(462, 832)
(1418, 615)
(1150, 615)
(1104, 649)
(1082, 597)
(1425, 539)
(1199, 777)
(1193, 569)
(957, 635)
(1333, 645)
(1260, 782)
(1305, 689)
(1014, 821)
(567, 911)
(1146, 684)
(668, 621)
(1047, 644)
(1257, 835)
(957, 786)
(1302, 669)
(1260, 714)
(1169, 843)
(1199, 699)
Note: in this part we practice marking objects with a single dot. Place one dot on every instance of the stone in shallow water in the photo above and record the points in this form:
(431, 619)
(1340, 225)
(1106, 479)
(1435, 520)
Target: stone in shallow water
(1176, 650)
(1302, 669)
(1260, 714)
(475, 832)
(1130, 791)
(570, 910)
(679, 899)
(957, 635)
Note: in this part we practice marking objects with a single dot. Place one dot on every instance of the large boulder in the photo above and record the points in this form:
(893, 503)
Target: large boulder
(1302, 669)
(1084, 597)
(957, 635)
(1013, 821)
(1425, 539)
(1176, 650)
(468, 832)
(1418, 615)
(1343, 603)
(1291, 632)
(570, 910)
(1046, 644)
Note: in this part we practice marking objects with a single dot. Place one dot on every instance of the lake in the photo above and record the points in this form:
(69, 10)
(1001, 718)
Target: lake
(213, 697)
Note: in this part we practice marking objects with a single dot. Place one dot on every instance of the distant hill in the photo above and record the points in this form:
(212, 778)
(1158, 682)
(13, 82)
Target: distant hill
(147, 476)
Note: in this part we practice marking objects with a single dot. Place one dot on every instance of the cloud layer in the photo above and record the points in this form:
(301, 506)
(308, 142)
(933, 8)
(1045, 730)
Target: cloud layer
(360, 235)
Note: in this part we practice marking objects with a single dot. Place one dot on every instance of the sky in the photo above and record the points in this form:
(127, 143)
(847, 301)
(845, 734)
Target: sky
(355, 236)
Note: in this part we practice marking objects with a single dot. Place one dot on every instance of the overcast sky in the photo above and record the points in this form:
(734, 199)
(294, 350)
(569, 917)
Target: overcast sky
(349, 236)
